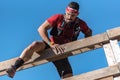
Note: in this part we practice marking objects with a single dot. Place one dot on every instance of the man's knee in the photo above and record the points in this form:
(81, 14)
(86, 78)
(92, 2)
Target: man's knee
(36, 45)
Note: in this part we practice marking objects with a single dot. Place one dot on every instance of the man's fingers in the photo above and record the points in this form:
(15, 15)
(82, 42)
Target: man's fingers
(59, 50)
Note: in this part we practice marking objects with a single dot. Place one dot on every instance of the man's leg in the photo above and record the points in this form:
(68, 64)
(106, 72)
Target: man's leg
(63, 67)
(25, 56)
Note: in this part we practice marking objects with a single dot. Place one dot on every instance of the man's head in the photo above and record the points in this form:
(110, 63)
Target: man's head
(72, 12)
(74, 5)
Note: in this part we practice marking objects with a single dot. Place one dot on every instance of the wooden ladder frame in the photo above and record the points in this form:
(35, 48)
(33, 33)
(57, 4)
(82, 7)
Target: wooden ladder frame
(108, 40)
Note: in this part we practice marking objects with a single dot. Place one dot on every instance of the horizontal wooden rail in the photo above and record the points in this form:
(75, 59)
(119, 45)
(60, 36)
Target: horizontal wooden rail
(98, 74)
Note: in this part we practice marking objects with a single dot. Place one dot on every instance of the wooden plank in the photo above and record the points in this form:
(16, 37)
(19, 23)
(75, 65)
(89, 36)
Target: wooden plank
(107, 78)
(116, 50)
(112, 33)
(97, 74)
(82, 43)
(117, 78)
(109, 54)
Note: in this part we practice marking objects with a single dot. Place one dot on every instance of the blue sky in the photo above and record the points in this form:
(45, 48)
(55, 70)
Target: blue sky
(20, 19)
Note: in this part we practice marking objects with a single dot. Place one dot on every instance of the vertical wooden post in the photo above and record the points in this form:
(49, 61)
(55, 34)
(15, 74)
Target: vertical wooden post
(109, 54)
(112, 52)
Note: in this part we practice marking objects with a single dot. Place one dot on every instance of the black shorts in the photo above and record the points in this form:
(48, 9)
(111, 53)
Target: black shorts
(63, 66)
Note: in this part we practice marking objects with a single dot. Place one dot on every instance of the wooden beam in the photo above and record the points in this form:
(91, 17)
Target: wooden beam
(100, 74)
(109, 54)
(107, 78)
(112, 33)
(116, 49)
(78, 47)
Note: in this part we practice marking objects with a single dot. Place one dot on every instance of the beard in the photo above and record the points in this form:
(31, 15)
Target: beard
(68, 20)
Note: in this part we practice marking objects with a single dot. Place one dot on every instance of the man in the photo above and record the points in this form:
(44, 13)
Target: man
(64, 28)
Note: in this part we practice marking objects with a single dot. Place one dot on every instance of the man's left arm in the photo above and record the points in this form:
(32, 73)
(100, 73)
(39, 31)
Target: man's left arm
(88, 33)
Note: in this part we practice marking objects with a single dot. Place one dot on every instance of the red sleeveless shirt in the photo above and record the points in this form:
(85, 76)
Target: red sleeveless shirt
(68, 31)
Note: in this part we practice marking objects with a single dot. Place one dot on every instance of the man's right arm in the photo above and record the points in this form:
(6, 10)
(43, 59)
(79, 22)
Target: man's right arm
(44, 34)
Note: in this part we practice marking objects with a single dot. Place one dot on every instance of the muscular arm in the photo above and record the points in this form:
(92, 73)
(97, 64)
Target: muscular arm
(43, 31)
(44, 34)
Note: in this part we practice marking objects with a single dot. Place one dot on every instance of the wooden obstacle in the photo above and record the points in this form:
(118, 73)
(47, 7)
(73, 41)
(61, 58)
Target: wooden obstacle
(107, 40)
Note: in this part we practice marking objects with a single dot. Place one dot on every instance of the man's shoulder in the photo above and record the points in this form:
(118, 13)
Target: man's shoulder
(56, 17)
(80, 20)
